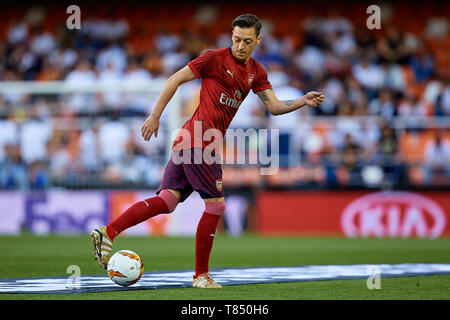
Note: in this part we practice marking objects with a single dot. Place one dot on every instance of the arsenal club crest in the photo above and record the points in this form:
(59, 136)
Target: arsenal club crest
(250, 78)
(219, 184)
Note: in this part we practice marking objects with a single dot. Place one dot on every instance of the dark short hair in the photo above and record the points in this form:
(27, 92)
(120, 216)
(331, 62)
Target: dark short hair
(247, 21)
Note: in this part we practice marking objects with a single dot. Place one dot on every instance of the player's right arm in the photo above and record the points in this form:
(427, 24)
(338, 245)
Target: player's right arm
(151, 124)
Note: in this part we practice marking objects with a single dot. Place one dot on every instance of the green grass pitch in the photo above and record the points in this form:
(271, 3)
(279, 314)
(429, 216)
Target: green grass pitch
(40, 256)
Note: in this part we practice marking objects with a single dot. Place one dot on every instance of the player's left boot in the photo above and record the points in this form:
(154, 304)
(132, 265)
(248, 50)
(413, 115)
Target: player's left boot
(205, 281)
(102, 246)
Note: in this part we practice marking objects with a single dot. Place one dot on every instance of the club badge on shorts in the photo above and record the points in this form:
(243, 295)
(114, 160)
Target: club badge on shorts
(219, 184)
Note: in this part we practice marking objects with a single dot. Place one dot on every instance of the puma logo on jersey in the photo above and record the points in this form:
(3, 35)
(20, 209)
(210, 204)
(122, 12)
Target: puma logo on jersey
(230, 73)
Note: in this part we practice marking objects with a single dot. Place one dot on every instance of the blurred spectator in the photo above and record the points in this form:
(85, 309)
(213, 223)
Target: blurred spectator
(13, 171)
(431, 95)
(444, 102)
(387, 146)
(392, 48)
(38, 175)
(394, 76)
(368, 136)
(354, 94)
(333, 90)
(89, 146)
(422, 64)
(18, 32)
(411, 106)
(49, 72)
(437, 159)
(113, 136)
(25, 61)
(166, 42)
(137, 104)
(113, 55)
(313, 145)
(311, 61)
(60, 158)
(267, 52)
(383, 105)
(9, 134)
(344, 43)
(369, 75)
(34, 135)
(111, 77)
(42, 42)
(82, 75)
(174, 60)
(153, 62)
(350, 155)
(64, 58)
(387, 155)
(134, 164)
(437, 27)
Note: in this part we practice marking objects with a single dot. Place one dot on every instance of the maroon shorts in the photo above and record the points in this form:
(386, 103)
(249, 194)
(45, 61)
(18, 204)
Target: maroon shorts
(188, 171)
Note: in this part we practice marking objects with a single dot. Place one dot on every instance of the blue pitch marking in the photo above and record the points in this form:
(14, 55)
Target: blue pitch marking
(225, 276)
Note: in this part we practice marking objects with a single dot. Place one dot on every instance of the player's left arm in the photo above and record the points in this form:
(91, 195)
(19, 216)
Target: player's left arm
(277, 107)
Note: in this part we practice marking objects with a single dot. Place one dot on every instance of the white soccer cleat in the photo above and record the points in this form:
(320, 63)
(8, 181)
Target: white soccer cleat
(205, 281)
(102, 246)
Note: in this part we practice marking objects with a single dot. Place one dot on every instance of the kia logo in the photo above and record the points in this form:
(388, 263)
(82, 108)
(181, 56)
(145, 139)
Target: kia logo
(393, 214)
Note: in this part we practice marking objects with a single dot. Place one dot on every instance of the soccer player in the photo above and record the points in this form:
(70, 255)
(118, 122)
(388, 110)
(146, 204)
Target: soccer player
(227, 76)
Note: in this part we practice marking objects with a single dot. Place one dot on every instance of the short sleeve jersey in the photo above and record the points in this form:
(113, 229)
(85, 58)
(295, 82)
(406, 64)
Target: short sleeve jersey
(225, 82)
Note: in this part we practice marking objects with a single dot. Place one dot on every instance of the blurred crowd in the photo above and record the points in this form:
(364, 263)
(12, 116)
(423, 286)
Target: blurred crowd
(385, 120)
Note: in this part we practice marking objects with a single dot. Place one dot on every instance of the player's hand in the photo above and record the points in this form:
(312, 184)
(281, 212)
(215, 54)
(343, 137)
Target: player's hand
(150, 127)
(314, 98)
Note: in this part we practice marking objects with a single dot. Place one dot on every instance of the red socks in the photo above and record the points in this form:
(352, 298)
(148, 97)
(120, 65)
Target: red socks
(206, 230)
(204, 238)
(166, 203)
(141, 211)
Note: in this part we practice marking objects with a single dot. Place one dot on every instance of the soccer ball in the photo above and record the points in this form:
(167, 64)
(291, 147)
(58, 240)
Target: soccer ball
(125, 268)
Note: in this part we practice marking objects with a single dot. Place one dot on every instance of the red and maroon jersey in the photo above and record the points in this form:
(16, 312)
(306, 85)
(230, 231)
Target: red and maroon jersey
(225, 83)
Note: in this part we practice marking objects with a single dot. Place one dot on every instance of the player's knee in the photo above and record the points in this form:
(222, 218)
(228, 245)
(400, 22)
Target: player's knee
(215, 207)
(170, 199)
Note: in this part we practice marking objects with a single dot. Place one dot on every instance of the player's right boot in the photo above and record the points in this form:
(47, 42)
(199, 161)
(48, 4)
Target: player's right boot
(205, 281)
(102, 246)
